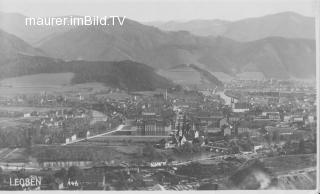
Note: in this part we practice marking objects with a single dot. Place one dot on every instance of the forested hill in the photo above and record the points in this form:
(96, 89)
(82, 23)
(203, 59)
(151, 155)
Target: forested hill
(122, 74)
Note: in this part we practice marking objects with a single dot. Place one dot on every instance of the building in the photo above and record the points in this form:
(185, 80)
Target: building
(275, 116)
(227, 131)
(98, 117)
(212, 131)
(228, 98)
(243, 130)
(212, 121)
(153, 128)
(240, 107)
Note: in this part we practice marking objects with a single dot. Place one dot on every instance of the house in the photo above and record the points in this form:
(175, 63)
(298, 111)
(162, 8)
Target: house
(27, 115)
(228, 98)
(227, 131)
(73, 137)
(311, 119)
(223, 122)
(283, 131)
(88, 134)
(98, 117)
(298, 119)
(240, 107)
(257, 147)
(169, 145)
(210, 131)
(287, 118)
(58, 123)
(210, 120)
(275, 116)
(243, 130)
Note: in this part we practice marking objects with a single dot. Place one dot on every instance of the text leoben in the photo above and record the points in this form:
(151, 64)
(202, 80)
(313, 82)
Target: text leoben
(32, 181)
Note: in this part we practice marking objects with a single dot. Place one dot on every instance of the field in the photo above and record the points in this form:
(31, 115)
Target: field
(222, 76)
(129, 138)
(251, 76)
(88, 152)
(184, 77)
(51, 83)
(13, 155)
(13, 122)
(193, 76)
(114, 95)
(28, 109)
(39, 80)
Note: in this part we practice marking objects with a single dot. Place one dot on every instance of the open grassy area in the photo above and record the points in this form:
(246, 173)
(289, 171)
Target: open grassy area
(183, 76)
(11, 122)
(40, 80)
(114, 95)
(78, 153)
(125, 138)
(51, 83)
(13, 155)
(250, 76)
(28, 109)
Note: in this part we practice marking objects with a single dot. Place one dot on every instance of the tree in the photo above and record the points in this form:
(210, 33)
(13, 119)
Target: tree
(187, 147)
(276, 136)
(74, 173)
(226, 111)
(234, 147)
(257, 110)
(301, 148)
(1, 175)
(149, 151)
(48, 179)
(162, 142)
(268, 138)
(61, 174)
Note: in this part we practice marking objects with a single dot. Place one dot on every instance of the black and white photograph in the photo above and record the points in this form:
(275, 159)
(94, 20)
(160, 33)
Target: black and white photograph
(159, 95)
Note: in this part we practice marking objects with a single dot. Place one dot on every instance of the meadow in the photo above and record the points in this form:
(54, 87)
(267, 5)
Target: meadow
(49, 82)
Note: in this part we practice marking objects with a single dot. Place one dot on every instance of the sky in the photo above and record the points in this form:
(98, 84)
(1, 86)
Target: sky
(159, 10)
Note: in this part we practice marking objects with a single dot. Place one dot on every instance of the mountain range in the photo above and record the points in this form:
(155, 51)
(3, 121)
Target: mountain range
(19, 58)
(285, 24)
(14, 23)
(275, 57)
(11, 46)
(283, 55)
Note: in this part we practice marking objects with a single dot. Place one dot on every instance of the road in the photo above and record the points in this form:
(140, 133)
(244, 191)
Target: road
(201, 159)
(220, 157)
(191, 161)
(119, 128)
(8, 154)
(222, 148)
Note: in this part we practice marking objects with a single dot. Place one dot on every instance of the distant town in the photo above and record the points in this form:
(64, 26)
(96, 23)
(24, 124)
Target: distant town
(179, 138)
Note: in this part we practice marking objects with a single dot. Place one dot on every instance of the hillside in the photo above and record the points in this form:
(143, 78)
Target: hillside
(191, 75)
(123, 74)
(286, 24)
(270, 57)
(14, 23)
(133, 41)
(11, 46)
(274, 57)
